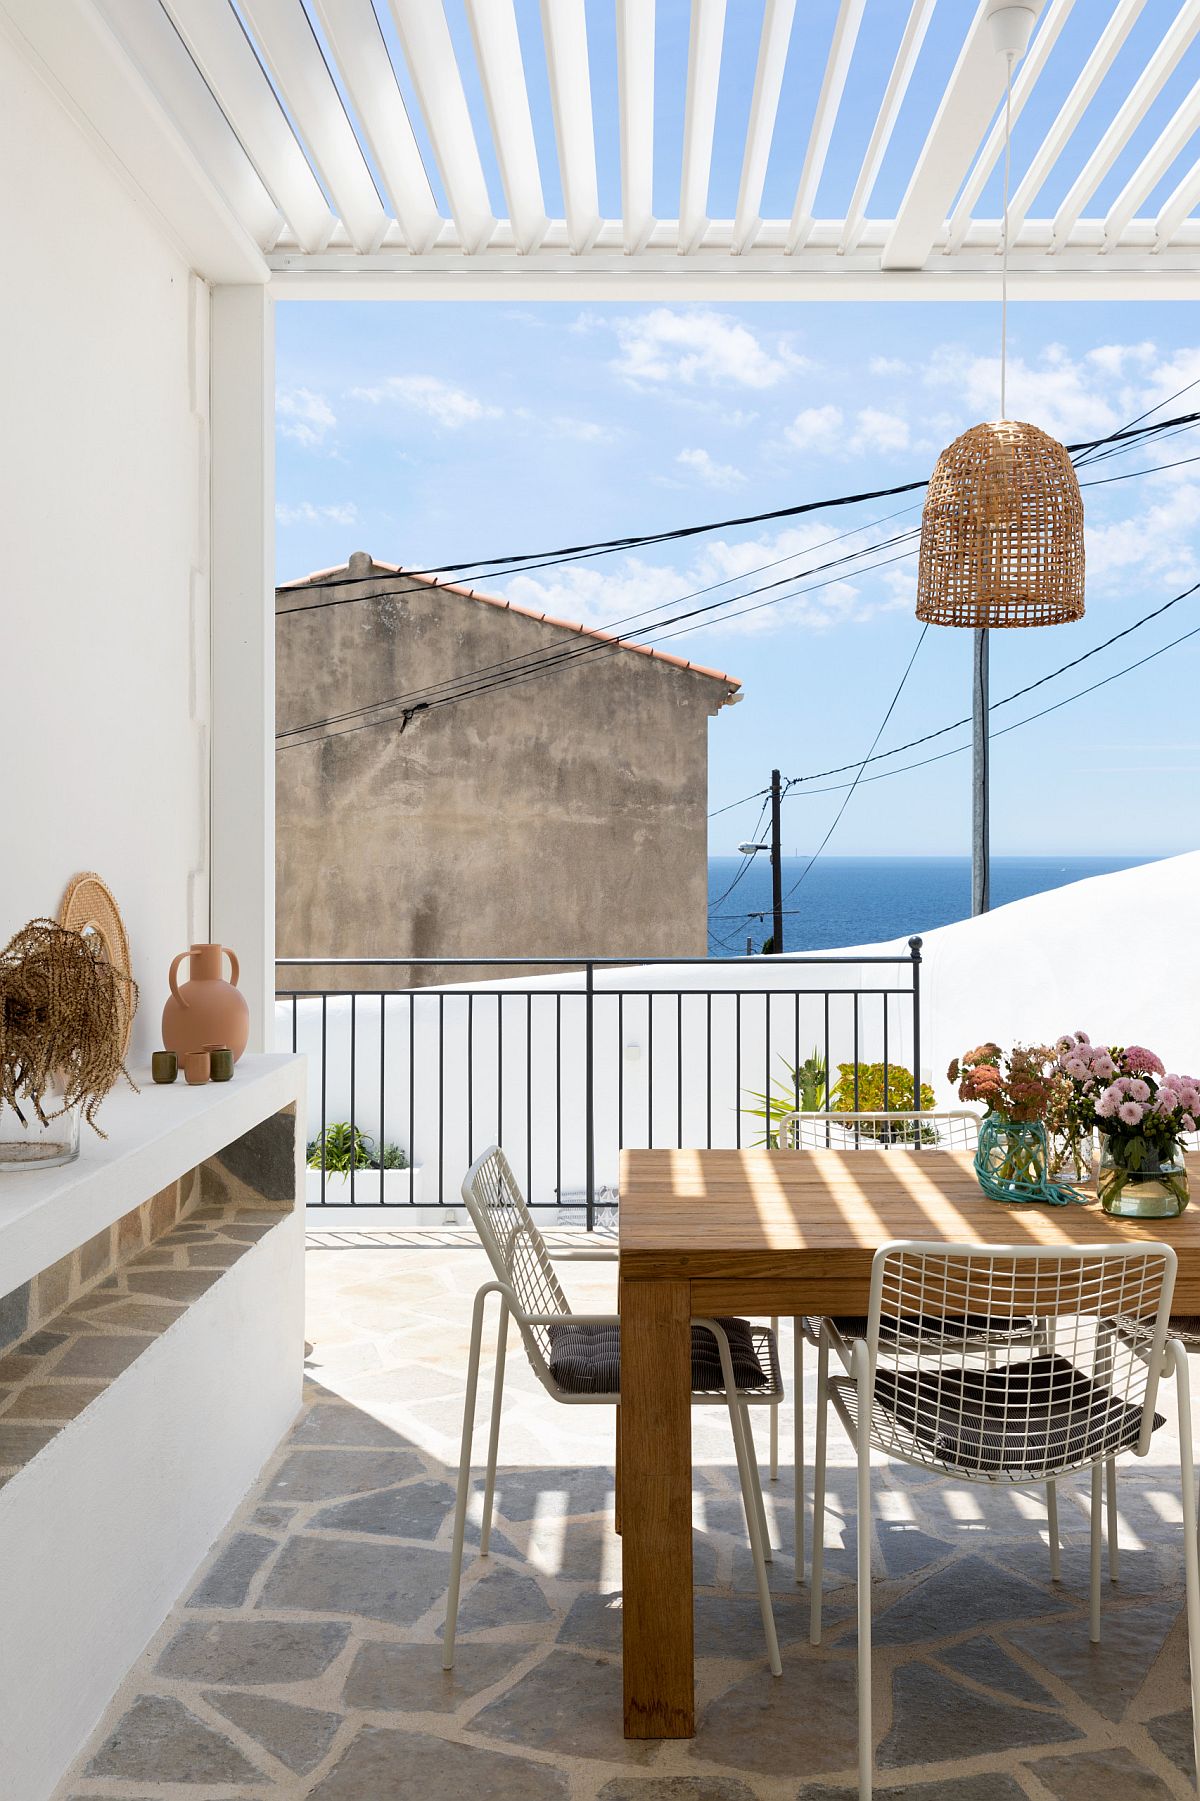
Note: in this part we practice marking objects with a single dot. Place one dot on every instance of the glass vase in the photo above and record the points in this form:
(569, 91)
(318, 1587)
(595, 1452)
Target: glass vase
(25, 1143)
(1072, 1156)
(1158, 1190)
(1011, 1157)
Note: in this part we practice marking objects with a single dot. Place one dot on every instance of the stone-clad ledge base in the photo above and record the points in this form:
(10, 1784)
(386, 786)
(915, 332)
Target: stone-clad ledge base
(304, 1664)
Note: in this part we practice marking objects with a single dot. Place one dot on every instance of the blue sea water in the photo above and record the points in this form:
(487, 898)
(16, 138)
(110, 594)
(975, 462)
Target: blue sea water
(861, 900)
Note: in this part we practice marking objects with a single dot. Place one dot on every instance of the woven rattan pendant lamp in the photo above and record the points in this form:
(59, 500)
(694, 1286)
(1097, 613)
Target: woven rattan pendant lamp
(1002, 530)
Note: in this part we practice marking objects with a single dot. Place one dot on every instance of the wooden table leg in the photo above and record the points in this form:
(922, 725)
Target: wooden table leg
(656, 1509)
(617, 1475)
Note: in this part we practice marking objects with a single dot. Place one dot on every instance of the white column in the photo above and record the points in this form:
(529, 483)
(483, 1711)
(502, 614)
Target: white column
(242, 484)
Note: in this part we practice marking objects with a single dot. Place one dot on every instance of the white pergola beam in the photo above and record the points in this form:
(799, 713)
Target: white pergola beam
(1171, 141)
(635, 90)
(352, 31)
(699, 119)
(429, 51)
(71, 47)
(222, 52)
(1053, 20)
(287, 41)
(778, 16)
(885, 122)
(502, 71)
(564, 28)
(1129, 116)
(972, 94)
(1083, 90)
(161, 56)
(837, 68)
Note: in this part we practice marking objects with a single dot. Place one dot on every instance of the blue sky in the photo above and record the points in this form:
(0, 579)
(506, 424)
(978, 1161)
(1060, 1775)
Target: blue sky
(430, 433)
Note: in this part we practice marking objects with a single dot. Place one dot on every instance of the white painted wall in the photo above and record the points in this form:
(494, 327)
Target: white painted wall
(104, 603)
(1114, 956)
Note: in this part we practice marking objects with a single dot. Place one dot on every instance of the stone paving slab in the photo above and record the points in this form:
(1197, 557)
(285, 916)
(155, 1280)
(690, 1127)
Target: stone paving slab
(304, 1664)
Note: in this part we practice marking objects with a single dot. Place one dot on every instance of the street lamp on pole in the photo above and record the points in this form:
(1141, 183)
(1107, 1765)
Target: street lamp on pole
(749, 850)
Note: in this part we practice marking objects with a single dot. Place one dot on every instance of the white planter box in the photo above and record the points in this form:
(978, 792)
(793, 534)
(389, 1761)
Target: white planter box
(401, 1188)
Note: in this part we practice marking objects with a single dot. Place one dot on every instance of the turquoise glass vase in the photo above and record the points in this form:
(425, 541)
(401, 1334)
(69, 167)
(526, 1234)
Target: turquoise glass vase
(1012, 1158)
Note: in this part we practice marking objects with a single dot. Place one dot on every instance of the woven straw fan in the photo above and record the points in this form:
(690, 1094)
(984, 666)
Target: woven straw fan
(88, 906)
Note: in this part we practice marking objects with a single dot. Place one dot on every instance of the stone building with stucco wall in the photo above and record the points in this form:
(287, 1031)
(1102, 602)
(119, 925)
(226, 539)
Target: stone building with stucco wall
(459, 776)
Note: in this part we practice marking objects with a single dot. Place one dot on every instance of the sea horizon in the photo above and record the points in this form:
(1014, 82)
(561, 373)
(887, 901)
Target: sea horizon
(867, 900)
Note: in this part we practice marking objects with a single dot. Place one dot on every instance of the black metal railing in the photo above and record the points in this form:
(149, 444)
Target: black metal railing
(569, 1069)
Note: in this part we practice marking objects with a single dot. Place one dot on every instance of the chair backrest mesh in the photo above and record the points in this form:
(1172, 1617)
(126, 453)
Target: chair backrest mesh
(516, 1249)
(1023, 1407)
(955, 1131)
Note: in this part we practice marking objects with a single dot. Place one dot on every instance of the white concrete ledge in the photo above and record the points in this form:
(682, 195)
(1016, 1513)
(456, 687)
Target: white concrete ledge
(154, 1137)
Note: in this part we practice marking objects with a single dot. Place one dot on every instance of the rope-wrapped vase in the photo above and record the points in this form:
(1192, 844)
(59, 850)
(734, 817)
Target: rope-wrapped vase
(1002, 532)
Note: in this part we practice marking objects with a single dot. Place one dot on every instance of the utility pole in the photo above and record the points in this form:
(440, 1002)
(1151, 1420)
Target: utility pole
(981, 849)
(776, 869)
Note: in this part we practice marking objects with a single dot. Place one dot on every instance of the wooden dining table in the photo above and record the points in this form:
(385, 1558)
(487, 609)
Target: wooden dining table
(759, 1232)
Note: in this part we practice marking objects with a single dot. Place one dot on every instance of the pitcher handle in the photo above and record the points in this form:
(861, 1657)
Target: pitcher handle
(171, 978)
(233, 965)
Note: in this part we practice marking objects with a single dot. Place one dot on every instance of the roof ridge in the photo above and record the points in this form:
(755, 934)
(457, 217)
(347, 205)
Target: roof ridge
(324, 578)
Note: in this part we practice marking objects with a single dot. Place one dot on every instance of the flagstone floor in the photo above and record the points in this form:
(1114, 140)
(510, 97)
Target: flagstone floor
(305, 1661)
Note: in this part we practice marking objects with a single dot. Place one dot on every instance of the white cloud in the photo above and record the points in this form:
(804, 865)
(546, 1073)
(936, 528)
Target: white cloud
(304, 416)
(714, 475)
(584, 431)
(441, 401)
(699, 347)
(879, 431)
(817, 428)
(887, 365)
(1072, 400)
(305, 512)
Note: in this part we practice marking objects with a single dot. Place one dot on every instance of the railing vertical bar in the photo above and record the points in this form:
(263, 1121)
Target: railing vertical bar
(914, 945)
(412, 1094)
(650, 1071)
(855, 998)
(383, 1092)
(590, 1096)
(529, 1095)
(324, 1040)
(294, 1002)
(558, 1098)
(679, 1069)
(799, 1058)
(885, 1054)
(620, 1070)
(353, 1114)
(828, 1070)
(499, 1068)
(767, 1063)
(737, 1064)
(441, 1033)
(708, 999)
(470, 1078)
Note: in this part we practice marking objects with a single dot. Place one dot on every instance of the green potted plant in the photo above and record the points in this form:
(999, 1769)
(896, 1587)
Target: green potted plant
(381, 1171)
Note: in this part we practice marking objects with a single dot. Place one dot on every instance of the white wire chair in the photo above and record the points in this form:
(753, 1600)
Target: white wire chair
(956, 1129)
(576, 1358)
(1026, 1419)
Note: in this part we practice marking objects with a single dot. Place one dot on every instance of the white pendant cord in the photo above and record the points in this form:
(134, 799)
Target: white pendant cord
(1004, 238)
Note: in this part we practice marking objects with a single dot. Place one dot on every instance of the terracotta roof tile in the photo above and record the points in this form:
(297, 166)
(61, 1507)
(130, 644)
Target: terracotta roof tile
(328, 578)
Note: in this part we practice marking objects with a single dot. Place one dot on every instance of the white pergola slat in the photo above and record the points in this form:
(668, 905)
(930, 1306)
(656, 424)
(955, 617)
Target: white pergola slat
(564, 27)
(498, 52)
(833, 86)
(295, 60)
(1132, 111)
(635, 90)
(429, 51)
(224, 56)
(699, 119)
(885, 121)
(352, 32)
(764, 105)
(294, 113)
(1083, 92)
(1044, 40)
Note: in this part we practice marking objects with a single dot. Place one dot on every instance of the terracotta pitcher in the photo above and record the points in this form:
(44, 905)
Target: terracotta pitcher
(207, 1009)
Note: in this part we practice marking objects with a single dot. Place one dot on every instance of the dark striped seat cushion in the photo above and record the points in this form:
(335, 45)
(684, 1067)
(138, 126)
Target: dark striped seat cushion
(586, 1360)
(1039, 1415)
